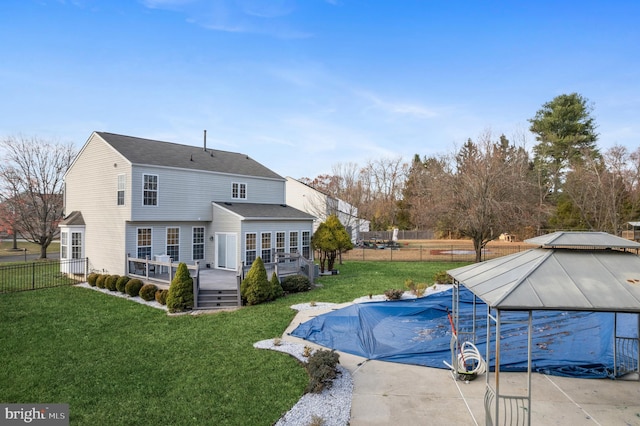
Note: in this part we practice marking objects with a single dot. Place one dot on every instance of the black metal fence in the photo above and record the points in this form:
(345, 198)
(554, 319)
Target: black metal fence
(42, 274)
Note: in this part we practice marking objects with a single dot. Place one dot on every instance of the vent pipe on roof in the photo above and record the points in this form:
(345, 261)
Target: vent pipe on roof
(205, 141)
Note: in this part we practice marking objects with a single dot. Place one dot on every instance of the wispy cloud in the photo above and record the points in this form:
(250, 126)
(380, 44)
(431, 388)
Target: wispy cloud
(397, 107)
(266, 17)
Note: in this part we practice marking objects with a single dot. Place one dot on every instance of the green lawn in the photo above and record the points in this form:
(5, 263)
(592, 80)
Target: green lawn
(117, 362)
(6, 247)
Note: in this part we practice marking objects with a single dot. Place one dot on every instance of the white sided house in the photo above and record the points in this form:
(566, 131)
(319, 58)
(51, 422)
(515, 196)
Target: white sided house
(321, 205)
(128, 197)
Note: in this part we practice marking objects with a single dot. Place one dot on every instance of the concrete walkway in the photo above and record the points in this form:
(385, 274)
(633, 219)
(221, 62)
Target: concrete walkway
(387, 393)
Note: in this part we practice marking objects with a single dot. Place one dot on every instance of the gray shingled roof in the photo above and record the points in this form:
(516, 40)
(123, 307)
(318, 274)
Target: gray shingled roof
(265, 211)
(168, 154)
(73, 219)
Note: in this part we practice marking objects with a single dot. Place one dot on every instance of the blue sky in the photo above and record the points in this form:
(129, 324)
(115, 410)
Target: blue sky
(303, 85)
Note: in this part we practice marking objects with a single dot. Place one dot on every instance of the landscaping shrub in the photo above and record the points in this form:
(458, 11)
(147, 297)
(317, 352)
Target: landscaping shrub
(161, 296)
(91, 279)
(110, 282)
(417, 289)
(121, 283)
(321, 368)
(100, 280)
(148, 292)
(394, 293)
(442, 277)
(132, 288)
(296, 284)
(180, 297)
(255, 287)
(276, 288)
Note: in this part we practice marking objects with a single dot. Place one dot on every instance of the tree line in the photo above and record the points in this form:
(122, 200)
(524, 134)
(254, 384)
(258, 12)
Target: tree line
(492, 185)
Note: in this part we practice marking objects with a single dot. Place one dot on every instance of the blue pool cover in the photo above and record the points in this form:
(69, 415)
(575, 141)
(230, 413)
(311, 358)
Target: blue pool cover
(418, 331)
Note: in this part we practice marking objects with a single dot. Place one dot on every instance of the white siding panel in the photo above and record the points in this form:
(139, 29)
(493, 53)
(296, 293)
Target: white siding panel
(187, 195)
(91, 186)
(307, 199)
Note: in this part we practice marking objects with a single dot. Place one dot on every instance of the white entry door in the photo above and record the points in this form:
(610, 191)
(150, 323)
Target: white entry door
(226, 248)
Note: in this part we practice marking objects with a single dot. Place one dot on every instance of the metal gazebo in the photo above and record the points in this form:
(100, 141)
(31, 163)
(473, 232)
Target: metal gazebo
(569, 271)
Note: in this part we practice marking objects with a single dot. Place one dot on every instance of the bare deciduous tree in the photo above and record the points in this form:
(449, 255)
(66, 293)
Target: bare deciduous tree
(486, 189)
(492, 192)
(382, 184)
(601, 189)
(31, 179)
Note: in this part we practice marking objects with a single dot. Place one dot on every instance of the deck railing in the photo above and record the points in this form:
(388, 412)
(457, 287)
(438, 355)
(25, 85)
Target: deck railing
(285, 264)
(155, 270)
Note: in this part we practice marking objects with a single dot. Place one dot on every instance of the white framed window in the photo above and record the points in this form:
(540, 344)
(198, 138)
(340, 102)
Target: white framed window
(76, 245)
(198, 242)
(149, 190)
(173, 243)
(122, 184)
(64, 247)
(293, 242)
(250, 247)
(144, 243)
(280, 242)
(265, 247)
(239, 191)
(306, 244)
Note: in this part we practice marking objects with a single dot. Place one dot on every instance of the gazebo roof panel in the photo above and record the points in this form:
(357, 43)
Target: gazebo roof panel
(557, 279)
(579, 239)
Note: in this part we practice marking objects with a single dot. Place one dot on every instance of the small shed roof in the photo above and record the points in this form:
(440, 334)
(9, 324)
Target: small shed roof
(559, 278)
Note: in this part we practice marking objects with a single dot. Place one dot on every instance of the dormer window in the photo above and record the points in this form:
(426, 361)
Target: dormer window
(239, 191)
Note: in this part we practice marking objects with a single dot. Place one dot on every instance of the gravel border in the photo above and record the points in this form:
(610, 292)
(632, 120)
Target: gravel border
(332, 405)
(136, 299)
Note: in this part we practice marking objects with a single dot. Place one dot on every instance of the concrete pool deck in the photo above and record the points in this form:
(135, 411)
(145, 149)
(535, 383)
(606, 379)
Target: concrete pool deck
(387, 393)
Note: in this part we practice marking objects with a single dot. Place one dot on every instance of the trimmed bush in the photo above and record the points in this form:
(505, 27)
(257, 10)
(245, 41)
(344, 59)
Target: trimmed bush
(295, 284)
(110, 282)
(442, 277)
(161, 296)
(180, 297)
(100, 280)
(255, 287)
(121, 283)
(394, 293)
(322, 370)
(91, 279)
(132, 288)
(148, 292)
(276, 288)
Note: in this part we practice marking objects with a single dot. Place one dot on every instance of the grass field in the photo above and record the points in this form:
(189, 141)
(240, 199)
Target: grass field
(117, 362)
(6, 248)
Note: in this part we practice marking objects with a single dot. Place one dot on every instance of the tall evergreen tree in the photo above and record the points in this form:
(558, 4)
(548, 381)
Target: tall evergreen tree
(566, 133)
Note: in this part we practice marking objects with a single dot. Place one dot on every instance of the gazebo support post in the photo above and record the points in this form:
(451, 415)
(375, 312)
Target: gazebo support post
(529, 341)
